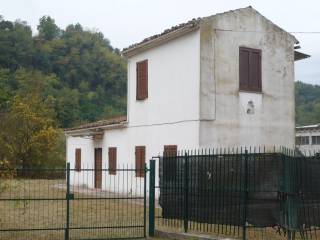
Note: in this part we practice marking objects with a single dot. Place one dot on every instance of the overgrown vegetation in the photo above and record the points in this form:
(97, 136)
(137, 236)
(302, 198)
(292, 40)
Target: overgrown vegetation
(53, 80)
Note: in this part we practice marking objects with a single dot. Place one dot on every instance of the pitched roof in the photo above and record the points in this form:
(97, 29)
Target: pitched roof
(179, 30)
(192, 23)
(101, 123)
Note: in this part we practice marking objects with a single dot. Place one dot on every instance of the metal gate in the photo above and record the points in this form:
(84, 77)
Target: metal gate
(63, 204)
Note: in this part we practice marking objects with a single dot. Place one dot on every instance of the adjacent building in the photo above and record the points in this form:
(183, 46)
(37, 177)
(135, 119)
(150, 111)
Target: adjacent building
(225, 80)
(308, 139)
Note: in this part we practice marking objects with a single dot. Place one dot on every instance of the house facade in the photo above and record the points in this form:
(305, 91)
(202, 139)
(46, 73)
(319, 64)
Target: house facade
(221, 81)
(308, 139)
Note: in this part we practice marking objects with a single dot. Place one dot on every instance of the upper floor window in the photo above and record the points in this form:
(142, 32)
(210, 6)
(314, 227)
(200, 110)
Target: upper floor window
(316, 140)
(142, 80)
(250, 69)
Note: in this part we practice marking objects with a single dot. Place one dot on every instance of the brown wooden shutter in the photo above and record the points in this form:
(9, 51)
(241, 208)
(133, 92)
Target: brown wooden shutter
(112, 160)
(142, 80)
(78, 160)
(98, 167)
(255, 70)
(244, 69)
(250, 69)
(170, 162)
(170, 150)
(140, 153)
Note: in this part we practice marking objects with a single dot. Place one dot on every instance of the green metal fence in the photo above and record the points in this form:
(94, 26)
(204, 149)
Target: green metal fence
(69, 204)
(242, 193)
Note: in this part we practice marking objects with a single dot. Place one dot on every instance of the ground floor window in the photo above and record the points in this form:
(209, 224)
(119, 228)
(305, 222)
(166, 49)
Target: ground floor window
(78, 159)
(170, 162)
(140, 153)
(302, 140)
(112, 154)
(316, 140)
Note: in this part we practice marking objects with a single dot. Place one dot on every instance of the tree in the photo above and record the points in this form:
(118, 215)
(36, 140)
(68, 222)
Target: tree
(29, 134)
(16, 44)
(47, 28)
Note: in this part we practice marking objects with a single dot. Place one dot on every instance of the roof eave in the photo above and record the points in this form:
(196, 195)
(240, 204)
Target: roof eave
(92, 130)
(159, 40)
(300, 56)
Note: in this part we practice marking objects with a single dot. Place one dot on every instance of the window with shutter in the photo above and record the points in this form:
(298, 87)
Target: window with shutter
(250, 69)
(140, 153)
(170, 162)
(142, 80)
(112, 154)
(78, 160)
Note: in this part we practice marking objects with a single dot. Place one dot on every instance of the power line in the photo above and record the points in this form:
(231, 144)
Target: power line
(295, 32)
(306, 32)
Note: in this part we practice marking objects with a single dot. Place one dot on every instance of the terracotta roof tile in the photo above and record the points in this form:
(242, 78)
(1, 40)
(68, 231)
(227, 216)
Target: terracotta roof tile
(101, 123)
(193, 22)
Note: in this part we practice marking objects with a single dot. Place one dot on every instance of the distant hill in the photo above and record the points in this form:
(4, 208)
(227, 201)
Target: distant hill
(307, 103)
(84, 76)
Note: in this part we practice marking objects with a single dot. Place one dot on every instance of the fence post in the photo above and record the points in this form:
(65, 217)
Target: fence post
(245, 196)
(186, 193)
(66, 235)
(152, 197)
(145, 199)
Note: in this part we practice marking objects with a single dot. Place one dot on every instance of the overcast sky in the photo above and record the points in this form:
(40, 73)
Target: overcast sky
(125, 22)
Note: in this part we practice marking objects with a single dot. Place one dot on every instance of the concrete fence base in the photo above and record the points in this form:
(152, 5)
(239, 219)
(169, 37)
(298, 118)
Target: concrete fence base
(187, 236)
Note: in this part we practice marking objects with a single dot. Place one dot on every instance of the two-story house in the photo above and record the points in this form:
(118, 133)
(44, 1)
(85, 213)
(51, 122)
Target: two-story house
(225, 80)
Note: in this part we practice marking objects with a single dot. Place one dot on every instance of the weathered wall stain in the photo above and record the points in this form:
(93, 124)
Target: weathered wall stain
(271, 119)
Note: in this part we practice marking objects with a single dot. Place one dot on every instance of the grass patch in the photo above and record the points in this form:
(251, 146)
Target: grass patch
(39, 207)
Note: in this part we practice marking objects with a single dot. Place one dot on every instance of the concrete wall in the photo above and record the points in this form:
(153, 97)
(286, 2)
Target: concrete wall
(228, 124)
(309, 149)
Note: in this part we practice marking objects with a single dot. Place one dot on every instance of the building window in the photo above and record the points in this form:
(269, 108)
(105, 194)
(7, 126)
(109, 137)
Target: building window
(170, 162)
(315, 140)
(112, 154)
(302, 140)
(140, 160)
(78, 160)
(250, 69)
(142, 80)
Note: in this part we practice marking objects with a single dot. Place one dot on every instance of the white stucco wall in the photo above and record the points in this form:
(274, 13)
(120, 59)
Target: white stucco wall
(169, 116)
(273, 121)
(185, 135)
(173, 83)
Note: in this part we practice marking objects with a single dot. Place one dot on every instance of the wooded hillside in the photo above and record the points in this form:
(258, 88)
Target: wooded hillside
(85, 77)
(307, 103)
(55, 79)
